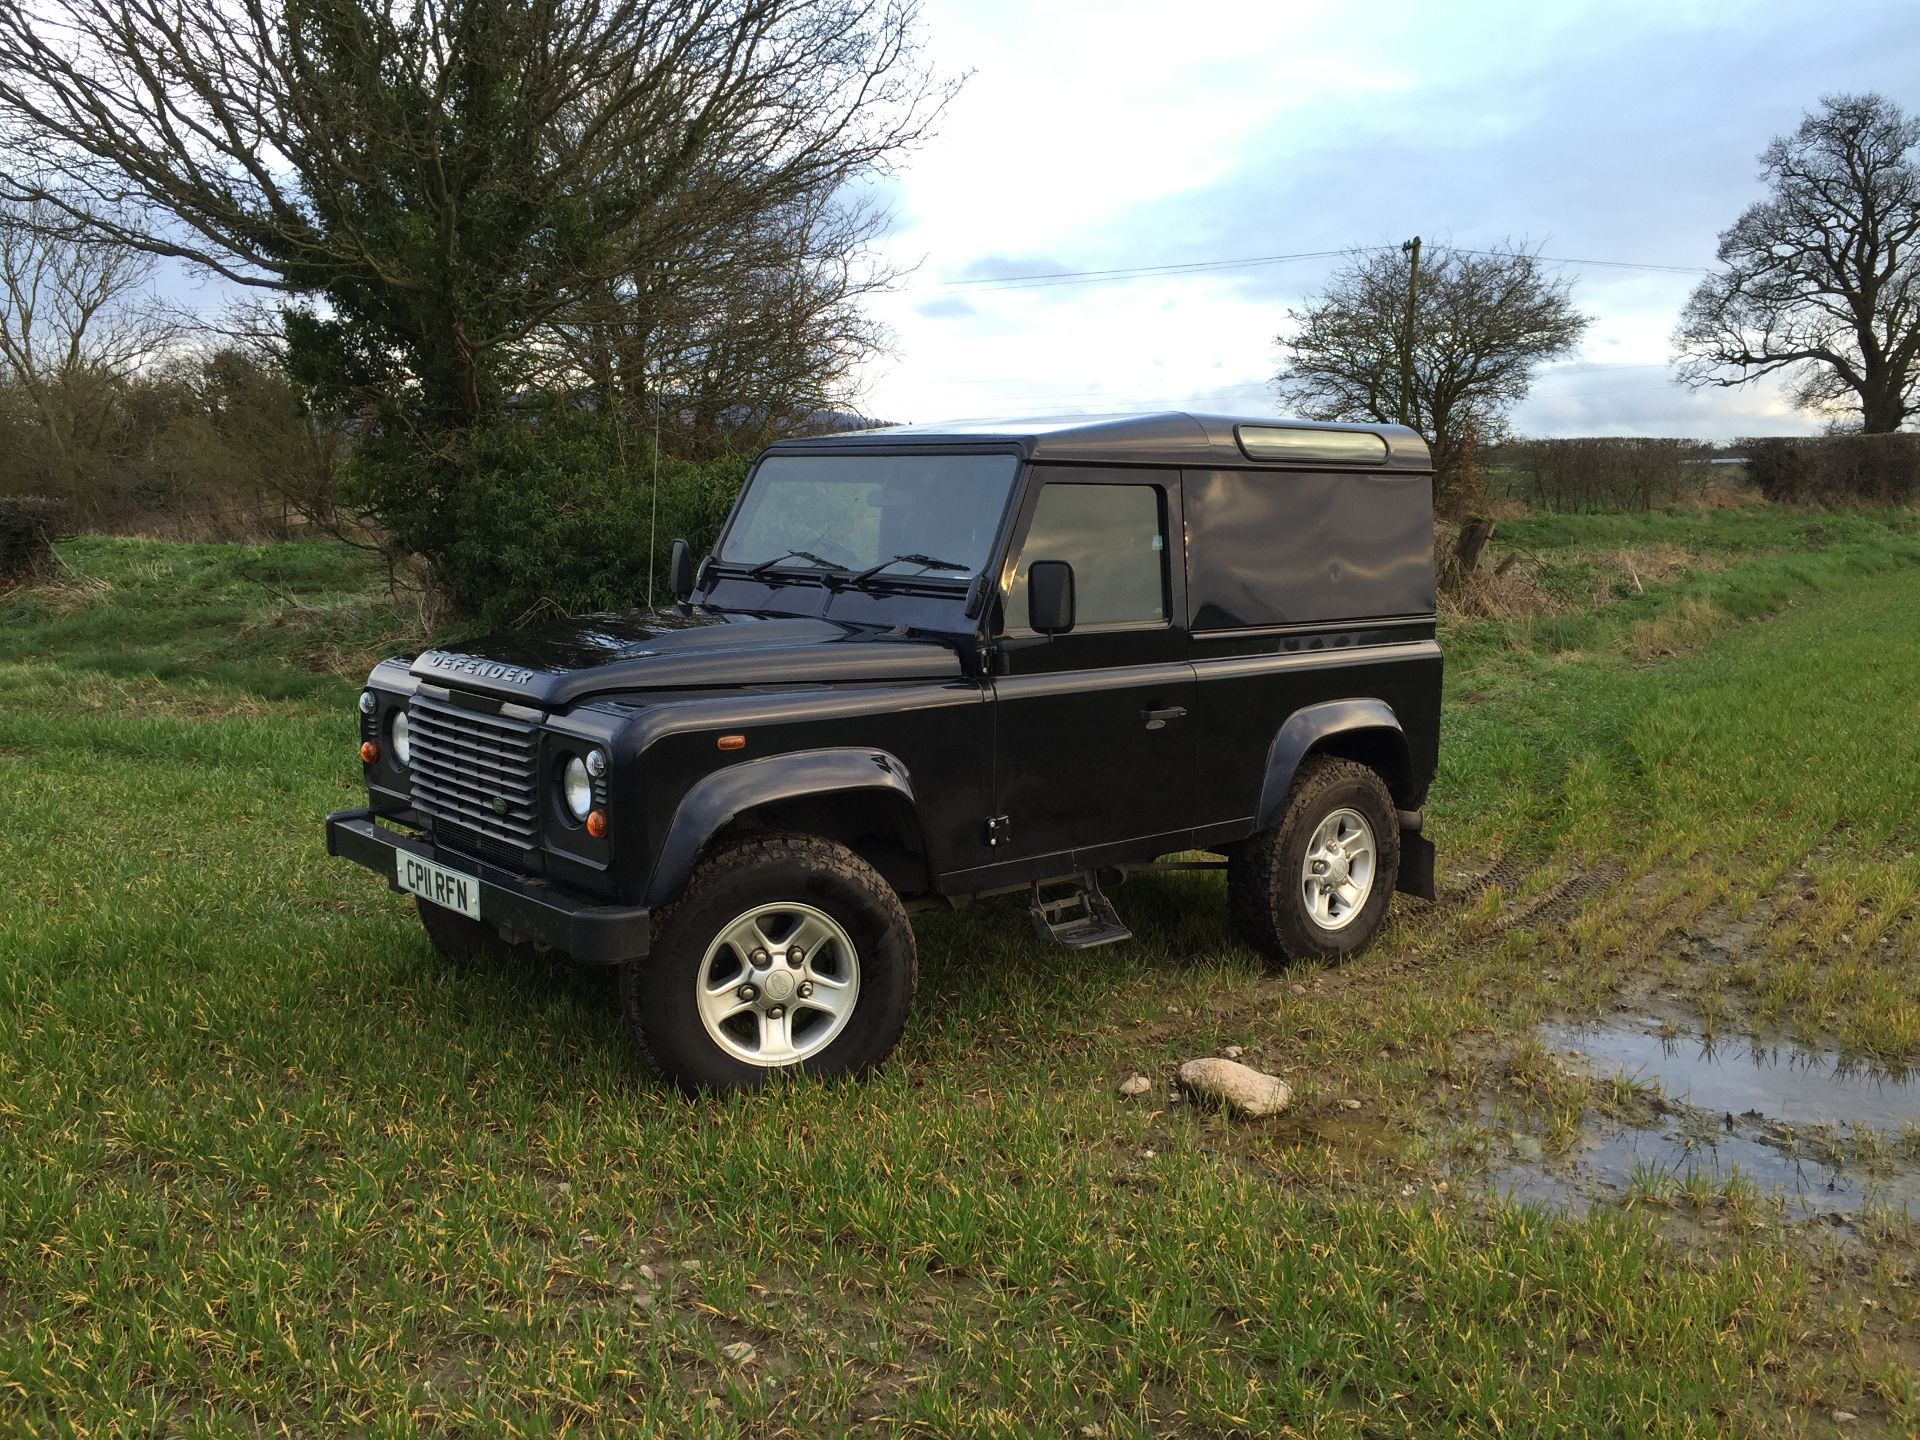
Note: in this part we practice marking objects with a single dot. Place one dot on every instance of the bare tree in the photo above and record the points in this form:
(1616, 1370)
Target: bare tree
(1482, 323)
(757, 332)
(77, 321)
(247, 431)
(1819, 281)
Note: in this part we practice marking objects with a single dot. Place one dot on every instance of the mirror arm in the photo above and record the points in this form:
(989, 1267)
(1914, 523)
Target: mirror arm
(1006, 644)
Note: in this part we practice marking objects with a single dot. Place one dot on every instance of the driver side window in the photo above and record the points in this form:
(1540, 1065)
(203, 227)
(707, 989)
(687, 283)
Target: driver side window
(1115, 538)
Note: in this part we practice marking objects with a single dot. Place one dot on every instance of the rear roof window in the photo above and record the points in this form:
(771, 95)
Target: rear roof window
(1326, 447)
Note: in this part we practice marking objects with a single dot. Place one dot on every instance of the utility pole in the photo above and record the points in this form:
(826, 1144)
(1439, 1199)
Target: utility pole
(1409, 248)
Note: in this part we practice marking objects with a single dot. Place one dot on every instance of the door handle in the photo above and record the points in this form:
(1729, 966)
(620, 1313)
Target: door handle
(1157, 718)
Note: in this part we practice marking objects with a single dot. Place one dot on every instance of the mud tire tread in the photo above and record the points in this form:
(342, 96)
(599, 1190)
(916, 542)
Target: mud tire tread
(655, 992)
(1263, 905)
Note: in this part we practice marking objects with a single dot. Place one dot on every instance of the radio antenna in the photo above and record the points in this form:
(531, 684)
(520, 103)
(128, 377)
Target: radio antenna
(653, 519)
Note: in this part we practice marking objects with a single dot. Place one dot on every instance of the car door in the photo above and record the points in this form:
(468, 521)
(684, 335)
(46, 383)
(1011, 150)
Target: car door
(1093, 749)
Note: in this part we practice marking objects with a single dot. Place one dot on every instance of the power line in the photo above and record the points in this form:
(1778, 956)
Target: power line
(1048, 279)
(1581, 369)
(1128, 400)
(1012, 394)
(1572, 370)
(1042, 279)
(1610, 390)
(1603, 264)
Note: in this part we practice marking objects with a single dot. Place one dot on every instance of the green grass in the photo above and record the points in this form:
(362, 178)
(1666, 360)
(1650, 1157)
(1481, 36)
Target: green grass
(1751, 563)
(267, 1165)
(272, 622)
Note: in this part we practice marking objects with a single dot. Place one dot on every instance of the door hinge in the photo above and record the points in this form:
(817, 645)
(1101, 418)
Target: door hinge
(999, 830)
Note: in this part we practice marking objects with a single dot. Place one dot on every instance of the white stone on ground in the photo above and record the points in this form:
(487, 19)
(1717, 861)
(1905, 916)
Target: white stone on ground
(1239, 1088)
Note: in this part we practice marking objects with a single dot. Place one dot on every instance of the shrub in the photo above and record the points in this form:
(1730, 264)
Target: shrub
(554, 512)
(1603, 472)
(29, 524)
(1836, 469)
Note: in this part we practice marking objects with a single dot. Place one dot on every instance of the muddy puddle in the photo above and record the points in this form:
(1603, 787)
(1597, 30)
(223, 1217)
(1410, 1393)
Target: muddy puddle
(1826, 1137)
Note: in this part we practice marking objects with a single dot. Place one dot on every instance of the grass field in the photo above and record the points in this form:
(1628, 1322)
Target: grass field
(268, 1166)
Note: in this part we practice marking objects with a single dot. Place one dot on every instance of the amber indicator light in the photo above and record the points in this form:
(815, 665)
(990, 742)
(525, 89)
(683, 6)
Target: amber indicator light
(732, 742)
(597, 824)
(369, 752)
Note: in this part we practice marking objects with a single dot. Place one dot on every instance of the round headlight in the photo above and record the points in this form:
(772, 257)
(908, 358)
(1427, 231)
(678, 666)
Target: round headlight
(576, 789)
(596, 763)
(402, 736)
(367, 702)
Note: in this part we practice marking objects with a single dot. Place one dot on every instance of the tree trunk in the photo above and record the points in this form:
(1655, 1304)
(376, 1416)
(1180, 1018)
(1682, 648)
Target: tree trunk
(1880, 411)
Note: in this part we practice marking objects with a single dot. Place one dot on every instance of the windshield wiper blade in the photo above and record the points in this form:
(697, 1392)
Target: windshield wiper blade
(820, 560)
(925, 562)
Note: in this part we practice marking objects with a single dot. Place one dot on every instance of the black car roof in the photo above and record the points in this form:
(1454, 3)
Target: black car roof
(1172, 437)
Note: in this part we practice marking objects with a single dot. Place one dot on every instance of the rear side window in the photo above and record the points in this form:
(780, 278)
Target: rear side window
(1292, 547)
(1115, 538)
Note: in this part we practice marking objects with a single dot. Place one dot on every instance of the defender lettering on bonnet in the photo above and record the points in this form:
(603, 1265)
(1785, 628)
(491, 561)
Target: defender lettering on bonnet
(924, 664)
(479, 669)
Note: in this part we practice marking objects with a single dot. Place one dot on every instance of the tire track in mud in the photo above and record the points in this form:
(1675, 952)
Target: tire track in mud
(1458, 893)
(1507, 873)
(1563, 900)
(1560, 901)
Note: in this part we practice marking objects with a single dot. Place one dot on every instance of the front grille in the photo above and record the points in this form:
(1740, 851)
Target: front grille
(477, 772)
(472, 842)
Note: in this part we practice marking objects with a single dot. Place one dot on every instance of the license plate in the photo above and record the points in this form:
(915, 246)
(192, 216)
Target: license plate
(439, 884)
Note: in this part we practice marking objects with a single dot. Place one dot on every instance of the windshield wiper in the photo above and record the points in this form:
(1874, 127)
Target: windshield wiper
(925, 562)
(765, 565)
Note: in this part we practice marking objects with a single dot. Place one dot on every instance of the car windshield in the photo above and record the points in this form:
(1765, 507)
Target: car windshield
(857, 512)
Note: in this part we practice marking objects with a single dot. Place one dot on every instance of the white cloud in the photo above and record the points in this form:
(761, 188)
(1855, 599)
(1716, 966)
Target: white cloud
(1107, 135)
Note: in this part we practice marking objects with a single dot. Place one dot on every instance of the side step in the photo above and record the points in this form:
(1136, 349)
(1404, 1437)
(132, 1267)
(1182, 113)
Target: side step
(1076, 913)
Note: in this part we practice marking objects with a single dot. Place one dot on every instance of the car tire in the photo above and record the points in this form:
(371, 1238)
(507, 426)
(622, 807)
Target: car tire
(468, 942)
(1277, 902)
(734, 930)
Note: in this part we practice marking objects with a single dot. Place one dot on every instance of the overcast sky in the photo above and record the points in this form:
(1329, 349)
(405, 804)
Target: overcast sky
(1102, 134)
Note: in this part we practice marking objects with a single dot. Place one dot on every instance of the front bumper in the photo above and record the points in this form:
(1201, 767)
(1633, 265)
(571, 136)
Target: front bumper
(591, 932)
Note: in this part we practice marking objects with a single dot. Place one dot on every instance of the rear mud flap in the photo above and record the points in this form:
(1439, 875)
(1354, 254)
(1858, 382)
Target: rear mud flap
(1416, 865)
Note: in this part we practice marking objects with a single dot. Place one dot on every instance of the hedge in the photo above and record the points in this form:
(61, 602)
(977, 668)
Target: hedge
(1603, 472)
(29, 524)
(1836, 469)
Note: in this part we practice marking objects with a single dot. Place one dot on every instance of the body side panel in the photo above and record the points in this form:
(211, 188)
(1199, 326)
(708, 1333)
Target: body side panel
(1312, 606)
(1247, 701)
(934, 739)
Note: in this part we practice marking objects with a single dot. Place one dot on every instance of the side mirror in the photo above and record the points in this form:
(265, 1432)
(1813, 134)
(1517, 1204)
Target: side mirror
(1050, 597)
(680, 572)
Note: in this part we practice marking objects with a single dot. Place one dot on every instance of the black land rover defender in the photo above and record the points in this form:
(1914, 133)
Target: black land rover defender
(921, 666)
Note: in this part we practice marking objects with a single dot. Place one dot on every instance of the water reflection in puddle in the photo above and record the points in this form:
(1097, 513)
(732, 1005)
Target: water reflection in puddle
(1827, 1137)
(1778, 1082)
